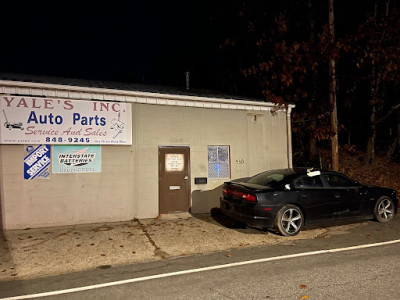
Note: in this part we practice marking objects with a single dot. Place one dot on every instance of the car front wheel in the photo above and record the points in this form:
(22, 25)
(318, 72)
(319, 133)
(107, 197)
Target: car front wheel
(384, 209)
(289, 220)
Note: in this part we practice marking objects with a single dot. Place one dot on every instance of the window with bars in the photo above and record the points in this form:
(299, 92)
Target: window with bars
(219, 162)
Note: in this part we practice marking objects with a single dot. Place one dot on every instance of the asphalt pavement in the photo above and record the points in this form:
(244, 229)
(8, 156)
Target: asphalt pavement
(44, 252)
(41, 252)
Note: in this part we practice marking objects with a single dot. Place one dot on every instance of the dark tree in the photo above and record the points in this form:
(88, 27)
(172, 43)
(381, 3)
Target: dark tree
(375, 52)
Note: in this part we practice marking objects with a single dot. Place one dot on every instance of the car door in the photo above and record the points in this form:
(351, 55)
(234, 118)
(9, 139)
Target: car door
(345, 193)
(314, 198)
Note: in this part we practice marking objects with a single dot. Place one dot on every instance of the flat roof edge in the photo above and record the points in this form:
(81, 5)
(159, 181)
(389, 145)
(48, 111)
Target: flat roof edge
(68, 91)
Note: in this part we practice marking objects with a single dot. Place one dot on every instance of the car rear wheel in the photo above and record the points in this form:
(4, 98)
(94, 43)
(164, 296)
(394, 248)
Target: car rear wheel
(384, 209)
(289, 220)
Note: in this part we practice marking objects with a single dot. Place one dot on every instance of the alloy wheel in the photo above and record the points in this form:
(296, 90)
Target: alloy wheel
(386, 209)
(291, 221)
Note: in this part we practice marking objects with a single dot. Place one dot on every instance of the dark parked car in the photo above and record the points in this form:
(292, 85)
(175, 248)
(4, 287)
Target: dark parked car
(287, 199)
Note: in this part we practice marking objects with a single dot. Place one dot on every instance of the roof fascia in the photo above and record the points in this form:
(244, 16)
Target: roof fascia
(119, 95)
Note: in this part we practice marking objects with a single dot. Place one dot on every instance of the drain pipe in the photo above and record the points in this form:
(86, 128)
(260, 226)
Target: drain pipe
(289, 136)
(187, 74)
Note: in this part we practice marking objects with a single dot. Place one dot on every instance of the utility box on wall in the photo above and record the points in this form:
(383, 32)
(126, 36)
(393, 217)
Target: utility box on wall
(200, 180)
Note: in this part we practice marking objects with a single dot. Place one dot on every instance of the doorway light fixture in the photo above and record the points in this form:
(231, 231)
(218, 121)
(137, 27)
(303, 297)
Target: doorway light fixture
(255, 115)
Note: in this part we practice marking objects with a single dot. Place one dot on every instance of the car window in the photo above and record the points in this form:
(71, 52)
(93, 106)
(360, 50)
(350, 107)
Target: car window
(336, 180)
(269, 178)
(308, 182)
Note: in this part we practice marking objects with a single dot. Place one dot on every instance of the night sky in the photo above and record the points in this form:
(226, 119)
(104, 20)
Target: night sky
(156, 42)
(153, 42)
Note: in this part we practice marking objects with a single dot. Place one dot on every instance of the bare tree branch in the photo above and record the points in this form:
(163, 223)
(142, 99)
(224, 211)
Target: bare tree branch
(391, 110)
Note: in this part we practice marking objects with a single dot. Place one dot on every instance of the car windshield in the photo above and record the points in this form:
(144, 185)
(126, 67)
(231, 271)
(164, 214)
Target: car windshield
(271, 179)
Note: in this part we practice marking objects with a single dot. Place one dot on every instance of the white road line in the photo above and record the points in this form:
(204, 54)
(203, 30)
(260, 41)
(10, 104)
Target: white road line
(145, 278)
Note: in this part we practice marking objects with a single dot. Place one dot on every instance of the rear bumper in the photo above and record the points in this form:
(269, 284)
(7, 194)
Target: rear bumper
(254, 216)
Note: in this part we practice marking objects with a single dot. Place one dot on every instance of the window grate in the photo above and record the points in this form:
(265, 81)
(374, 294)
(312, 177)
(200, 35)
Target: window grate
(218, 162)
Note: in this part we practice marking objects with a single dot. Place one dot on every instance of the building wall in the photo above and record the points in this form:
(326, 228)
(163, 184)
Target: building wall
(66, 199)
(255, 146)
(127, 187)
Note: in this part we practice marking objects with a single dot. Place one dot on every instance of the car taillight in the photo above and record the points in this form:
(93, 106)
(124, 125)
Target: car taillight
(226, 191)
(249, 197)
(245, 196)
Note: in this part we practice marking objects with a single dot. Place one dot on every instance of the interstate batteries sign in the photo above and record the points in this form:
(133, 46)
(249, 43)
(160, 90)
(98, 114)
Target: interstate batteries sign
(28, 120)
(76, 159)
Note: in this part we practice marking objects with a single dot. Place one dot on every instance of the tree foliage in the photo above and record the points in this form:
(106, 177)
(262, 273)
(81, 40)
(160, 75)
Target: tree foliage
(285, 47)
(291, 66)
(375, 52)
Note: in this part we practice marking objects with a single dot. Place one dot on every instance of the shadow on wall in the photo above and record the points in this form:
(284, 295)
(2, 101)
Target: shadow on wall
(1, 216)
(204, 201)
(6, 259)
(1, 188)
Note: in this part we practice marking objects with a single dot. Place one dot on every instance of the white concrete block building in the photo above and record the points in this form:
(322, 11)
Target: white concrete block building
(84, 152)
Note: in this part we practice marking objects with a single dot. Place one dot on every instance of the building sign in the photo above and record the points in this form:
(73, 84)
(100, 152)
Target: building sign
(37, 162)
(174, 162)
(27, 120)
(76, 159)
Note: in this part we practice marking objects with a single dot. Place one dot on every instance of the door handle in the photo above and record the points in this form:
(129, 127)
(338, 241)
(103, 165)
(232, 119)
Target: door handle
(186, 177)
(337, 196)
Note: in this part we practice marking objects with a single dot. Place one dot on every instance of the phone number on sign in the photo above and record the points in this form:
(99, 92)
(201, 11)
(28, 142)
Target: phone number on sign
(67, 140)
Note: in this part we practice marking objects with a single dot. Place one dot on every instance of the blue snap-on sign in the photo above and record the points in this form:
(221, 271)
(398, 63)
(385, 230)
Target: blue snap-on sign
(37, 162)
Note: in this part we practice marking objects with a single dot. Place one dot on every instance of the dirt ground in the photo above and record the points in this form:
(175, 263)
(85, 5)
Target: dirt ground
(383, 171)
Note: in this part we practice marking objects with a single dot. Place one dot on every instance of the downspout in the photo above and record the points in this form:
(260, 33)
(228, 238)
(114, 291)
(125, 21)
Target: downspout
(289, 137)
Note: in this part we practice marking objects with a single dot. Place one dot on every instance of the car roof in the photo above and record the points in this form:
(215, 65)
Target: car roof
(298, 171)
(295, 171)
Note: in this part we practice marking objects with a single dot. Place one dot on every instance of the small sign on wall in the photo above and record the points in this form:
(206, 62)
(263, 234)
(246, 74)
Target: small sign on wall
(174, 162)
(37, 162)
(76, 159)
